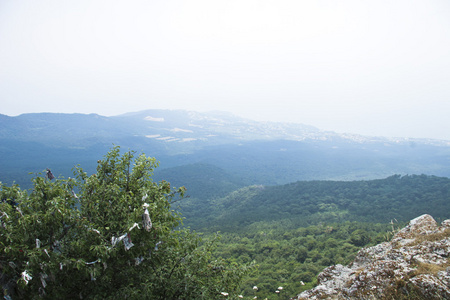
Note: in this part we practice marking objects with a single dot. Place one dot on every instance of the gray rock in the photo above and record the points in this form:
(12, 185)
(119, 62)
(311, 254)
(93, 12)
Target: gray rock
(416, 261)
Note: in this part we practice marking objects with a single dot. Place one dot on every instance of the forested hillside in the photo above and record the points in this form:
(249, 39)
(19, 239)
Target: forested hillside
(307, 203)
(205, 181)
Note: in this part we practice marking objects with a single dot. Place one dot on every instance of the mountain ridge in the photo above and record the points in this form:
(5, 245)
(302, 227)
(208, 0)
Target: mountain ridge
(262, 152)
(220, 119)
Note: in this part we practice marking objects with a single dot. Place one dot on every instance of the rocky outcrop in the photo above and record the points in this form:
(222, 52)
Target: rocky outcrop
(415, 264)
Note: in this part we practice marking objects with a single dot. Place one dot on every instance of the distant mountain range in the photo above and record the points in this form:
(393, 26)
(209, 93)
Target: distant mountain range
(192, 144)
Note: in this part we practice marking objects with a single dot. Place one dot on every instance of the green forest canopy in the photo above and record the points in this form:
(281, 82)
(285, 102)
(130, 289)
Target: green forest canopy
(306, 203)
(61, 232)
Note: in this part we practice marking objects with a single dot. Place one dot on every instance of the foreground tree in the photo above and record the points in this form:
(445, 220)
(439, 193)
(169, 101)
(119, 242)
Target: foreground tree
(117, 239)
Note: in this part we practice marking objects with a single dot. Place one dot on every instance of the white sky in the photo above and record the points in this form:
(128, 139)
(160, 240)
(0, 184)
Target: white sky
(370, 67)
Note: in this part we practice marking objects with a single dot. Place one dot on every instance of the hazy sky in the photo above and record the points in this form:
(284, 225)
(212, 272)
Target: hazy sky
(369, 67)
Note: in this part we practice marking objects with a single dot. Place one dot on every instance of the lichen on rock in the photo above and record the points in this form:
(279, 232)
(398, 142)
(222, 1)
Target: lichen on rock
(415, 264)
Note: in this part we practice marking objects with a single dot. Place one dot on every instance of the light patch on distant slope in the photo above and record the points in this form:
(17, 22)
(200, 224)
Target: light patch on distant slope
(181, 130)
(166, 138)
(152, 136)
(149, 118)
(188, 140)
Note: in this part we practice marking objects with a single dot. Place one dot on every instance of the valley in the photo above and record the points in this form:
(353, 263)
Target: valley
(287, 198)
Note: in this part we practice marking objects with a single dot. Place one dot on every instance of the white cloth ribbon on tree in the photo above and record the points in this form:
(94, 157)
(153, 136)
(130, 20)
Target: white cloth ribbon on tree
(115, 240)
(134, 226)
(127, 242)
(26, 277)
(146, 221)
(43, 277)
(126, 238)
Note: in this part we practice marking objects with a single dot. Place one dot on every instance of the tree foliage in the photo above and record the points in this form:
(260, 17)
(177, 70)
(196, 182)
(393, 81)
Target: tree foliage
(306, 203)
(292, 258)
(84, 237)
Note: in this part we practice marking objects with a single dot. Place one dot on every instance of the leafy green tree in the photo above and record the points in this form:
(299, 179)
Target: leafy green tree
(118, 238)
(359, 237)
(302, 254)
